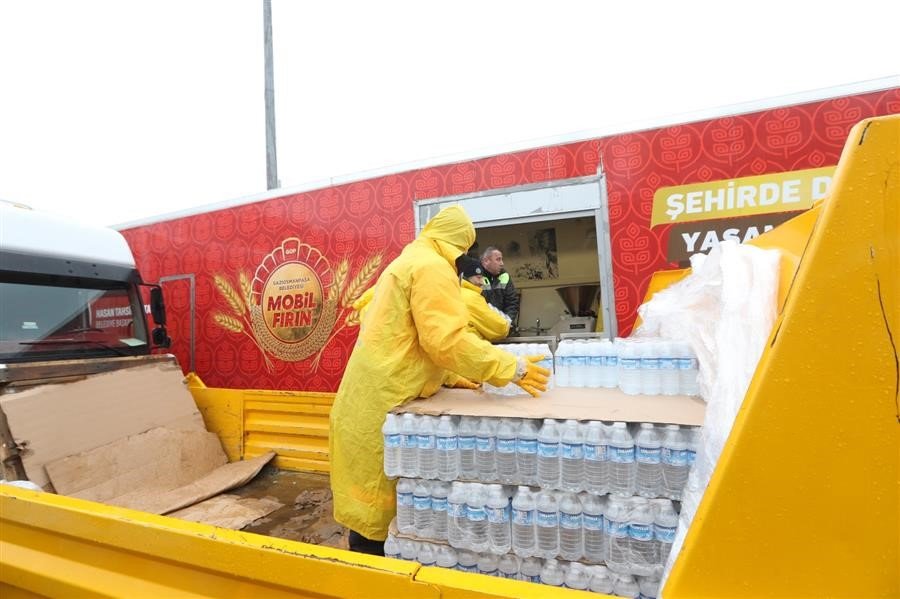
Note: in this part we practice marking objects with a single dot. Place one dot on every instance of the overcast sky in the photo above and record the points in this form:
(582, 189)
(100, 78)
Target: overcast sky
(120, 110)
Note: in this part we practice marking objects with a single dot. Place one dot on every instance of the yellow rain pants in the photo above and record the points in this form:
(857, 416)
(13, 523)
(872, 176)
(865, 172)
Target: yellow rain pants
(484, 321)
(414, 330)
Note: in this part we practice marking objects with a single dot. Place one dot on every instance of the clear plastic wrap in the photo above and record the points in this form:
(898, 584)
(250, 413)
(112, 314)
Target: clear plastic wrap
(725, 309)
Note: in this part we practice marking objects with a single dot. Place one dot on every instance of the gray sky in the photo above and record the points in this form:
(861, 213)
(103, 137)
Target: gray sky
(112, 111)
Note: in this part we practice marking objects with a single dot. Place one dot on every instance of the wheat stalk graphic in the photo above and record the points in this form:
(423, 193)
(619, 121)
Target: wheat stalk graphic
(237, 322)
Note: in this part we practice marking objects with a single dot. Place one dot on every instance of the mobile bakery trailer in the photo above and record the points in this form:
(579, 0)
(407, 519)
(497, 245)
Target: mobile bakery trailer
(264, 288)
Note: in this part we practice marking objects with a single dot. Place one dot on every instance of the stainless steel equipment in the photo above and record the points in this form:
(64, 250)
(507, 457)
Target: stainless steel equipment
(580, 302)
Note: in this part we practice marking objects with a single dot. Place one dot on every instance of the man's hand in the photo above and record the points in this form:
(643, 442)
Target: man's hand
(531, 377)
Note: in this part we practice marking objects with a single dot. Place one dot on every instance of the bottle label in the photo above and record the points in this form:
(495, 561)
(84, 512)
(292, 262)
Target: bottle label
(664, 534)
(570, 521)
(409, 441)
(547, 519)
(535, 579)
(650, 363)
(675, 457)
(404, 499)
(425, 441)
(686, 363)
(527, 446)
(595, 453)
(392, 441)
(446, 443)
(572, 451)
(475, 514)
(422, 503)
(466, 443)
(393, 555)
(523, 517)
(592, 522)
(621, 455)
(484, 443)
(640, 532)
(691, 456)
(629, 363)
(612, 361)
(597, 361)
(667, 364)
(618, 530)
(456, 510)
(548, 450)
(439, 504)
(506, 446)
(497, 515)
(648, 455)
(578, 361)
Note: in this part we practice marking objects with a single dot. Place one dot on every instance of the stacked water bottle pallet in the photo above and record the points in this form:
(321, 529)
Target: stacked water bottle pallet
(524, 349)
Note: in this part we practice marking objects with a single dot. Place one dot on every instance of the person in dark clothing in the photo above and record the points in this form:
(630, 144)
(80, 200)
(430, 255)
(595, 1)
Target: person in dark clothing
(361, 544)
(498, 288)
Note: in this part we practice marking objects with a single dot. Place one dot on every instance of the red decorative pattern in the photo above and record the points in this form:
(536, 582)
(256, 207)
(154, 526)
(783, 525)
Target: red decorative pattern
(375, 215)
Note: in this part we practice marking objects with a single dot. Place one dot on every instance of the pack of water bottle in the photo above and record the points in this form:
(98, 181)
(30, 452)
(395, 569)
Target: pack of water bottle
(524, 349)
(646, 459)
(552, 572)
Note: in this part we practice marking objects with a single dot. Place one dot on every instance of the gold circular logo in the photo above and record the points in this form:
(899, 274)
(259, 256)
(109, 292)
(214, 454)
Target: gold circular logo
(292, 302)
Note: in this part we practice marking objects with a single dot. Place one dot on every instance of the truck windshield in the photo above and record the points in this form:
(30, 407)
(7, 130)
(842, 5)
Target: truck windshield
(59, 318)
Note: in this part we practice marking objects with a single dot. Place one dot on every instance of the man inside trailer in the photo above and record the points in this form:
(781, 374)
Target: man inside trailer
(498, 288)
(415, 330)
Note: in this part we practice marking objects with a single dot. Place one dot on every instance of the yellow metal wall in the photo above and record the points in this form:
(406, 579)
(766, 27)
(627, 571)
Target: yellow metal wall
(804, 501)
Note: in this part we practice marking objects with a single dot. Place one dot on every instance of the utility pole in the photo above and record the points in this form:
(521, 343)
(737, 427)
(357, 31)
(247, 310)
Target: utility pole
(271, 156)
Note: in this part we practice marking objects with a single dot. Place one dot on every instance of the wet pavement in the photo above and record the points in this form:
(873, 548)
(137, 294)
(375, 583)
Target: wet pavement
(306, 512)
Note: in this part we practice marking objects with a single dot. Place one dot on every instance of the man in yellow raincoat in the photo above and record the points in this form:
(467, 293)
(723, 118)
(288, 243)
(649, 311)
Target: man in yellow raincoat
(485, 320)
(414, 331)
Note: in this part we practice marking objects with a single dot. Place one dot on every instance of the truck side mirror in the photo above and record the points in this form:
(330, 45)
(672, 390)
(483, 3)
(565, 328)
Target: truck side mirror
(157, 306)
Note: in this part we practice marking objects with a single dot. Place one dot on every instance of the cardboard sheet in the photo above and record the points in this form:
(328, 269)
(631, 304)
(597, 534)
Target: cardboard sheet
(55, 421)
(229, 511)
(578, 403)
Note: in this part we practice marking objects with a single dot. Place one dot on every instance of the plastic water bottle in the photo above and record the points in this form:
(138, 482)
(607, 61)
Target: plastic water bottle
(405, 508)
(551, 574)
(648, 456)
(506, 451)
(578, 361)
(596, 460)
(601, 580)
(571, 457)
(457, 525)
(668, 369)
(649, 586)
(446, 449)
(594, 365)
(629, 367)
(547, 524)
(665, 523)
(544, 350)
(616, 522)
(644, 552)
(425, 440)
(577, 577)
(446, 557)
(548, 455)
(649, 372)
(687, 369)
(561, 364)
(423, 517)
(466, 441)
(498, 514)
(391, 432)
(693, 444)
(427, 555)
(467, 561)
(523, 513)
(620, 447)
(609, 355)
(391, 547)
(409, 550)
(409, 446)
(626, 586)
(530, 570)
(487, 564)
(476, 518)
(508, 567)
(570, 528)
(440, 491)
(526, 452)
(674, 462)
(486, 449)
(596, 546)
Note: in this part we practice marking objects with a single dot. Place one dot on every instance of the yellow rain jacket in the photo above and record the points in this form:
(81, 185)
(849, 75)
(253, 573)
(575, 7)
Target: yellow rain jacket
(484, 320)
(414, 330)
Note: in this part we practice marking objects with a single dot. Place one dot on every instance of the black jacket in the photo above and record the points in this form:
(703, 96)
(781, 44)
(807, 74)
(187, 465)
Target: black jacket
(500, 292)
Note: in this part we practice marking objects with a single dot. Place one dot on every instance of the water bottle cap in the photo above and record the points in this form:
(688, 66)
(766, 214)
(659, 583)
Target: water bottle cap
(618, 425)
(672, 427)
(646, 425)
